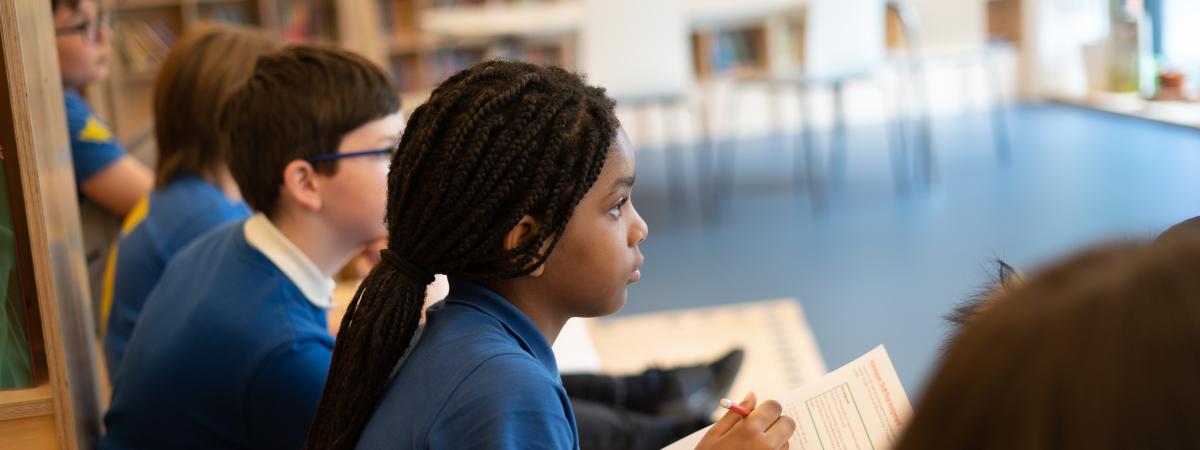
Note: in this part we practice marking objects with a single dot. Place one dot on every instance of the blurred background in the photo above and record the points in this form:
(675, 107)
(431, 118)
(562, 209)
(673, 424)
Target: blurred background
(866, 157)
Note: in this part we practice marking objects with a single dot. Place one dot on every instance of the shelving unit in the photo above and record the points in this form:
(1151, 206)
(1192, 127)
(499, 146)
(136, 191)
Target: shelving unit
(143, 31)
(734, 50)
(429, 40)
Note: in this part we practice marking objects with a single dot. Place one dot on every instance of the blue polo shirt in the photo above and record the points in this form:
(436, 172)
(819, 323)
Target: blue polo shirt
(93, 149)
(480, 376)
(170, 218)
(92, 144)
(229, 352)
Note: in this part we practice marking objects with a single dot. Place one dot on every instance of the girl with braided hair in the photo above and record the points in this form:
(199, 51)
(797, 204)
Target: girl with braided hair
(514, 180)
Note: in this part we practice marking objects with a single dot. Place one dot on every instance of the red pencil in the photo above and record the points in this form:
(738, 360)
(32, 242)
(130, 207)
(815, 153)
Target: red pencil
(730, 405)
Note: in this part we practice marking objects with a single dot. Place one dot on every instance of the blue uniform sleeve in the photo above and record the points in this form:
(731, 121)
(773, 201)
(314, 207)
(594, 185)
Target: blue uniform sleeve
(282, 397)
(507, 403)
(93, 146)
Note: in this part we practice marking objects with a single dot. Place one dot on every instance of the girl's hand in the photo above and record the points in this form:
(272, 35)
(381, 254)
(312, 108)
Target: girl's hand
(765, 428)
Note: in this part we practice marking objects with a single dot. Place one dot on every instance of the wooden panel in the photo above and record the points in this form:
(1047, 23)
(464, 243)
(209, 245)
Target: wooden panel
(33, 433)
(21, 403)
(30, 74)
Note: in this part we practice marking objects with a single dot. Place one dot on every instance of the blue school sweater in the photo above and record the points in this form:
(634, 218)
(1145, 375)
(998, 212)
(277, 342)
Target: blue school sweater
(229, 352)
(93, 146)
(480, 376)
(170, 218)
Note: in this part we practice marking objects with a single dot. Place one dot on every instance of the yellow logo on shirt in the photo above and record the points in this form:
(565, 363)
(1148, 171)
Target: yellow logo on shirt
(95, 131)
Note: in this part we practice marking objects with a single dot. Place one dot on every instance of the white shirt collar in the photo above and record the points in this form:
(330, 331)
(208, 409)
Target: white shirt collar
(264, 237)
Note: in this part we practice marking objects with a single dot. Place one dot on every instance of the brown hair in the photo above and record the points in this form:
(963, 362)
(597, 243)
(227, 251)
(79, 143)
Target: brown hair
(201, 71)
(1005, 277)
(300, 102)
(1098, 352)
(1188, 229)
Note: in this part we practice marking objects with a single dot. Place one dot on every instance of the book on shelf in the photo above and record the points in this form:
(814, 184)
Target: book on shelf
(16, 357)
(406, 73)
(398, 16)
(456, 3)
(540, 55)
(469, 3)
(732, 49)
(387, 16)
(305, 20)
(17, 369)
(447, 62)
(142, 44)
(236, 13)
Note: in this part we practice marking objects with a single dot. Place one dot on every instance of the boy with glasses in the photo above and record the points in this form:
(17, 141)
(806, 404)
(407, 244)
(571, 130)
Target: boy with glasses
(232, 348)
(110, 182)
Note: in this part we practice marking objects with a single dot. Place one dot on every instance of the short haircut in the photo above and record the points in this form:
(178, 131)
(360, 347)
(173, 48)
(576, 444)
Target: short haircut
(200, 72)
(299, 102)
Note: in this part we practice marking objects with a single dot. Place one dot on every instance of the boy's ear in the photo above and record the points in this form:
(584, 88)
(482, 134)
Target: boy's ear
(301, 184)
(523, 232)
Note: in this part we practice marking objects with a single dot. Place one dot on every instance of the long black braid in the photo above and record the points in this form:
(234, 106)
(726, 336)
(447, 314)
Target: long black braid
(494, 143)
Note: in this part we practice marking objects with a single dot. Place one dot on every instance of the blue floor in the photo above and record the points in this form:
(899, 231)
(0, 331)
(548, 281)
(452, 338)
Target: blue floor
(874, 266)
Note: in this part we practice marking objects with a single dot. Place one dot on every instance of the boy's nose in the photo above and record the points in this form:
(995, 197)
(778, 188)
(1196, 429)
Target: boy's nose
(103, 34)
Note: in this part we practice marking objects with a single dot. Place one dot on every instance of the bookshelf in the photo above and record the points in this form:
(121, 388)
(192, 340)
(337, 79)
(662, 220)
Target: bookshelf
(144, 30)
(731, 50)
(429, 40)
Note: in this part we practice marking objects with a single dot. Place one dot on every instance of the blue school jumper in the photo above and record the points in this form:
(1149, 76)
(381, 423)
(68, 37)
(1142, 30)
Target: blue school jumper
(229, 352)
(159, 226)
(93, 147)
(480, 376)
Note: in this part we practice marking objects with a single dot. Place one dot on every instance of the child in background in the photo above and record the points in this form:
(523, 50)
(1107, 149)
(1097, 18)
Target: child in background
(110, 182)
(1098, 352)
(232, 349)
(194, 191)
(514, 180)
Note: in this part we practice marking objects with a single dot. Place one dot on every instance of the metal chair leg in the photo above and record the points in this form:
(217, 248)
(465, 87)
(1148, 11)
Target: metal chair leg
(727, 156)
(909, 24)
(674, 156)
(897, 142)
(837, 148)
(705, 182)
(808, 163)
(999, 111)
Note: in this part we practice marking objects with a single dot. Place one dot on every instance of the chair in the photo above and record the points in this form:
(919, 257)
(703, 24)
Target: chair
(959, 29)
(641, 51)
(843, 40)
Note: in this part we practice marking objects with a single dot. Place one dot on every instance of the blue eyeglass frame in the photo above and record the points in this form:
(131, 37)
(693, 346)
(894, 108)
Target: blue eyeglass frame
(336, 156)
(90, 29)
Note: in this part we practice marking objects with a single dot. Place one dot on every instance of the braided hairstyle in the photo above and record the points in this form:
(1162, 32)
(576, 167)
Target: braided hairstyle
(494, 143)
